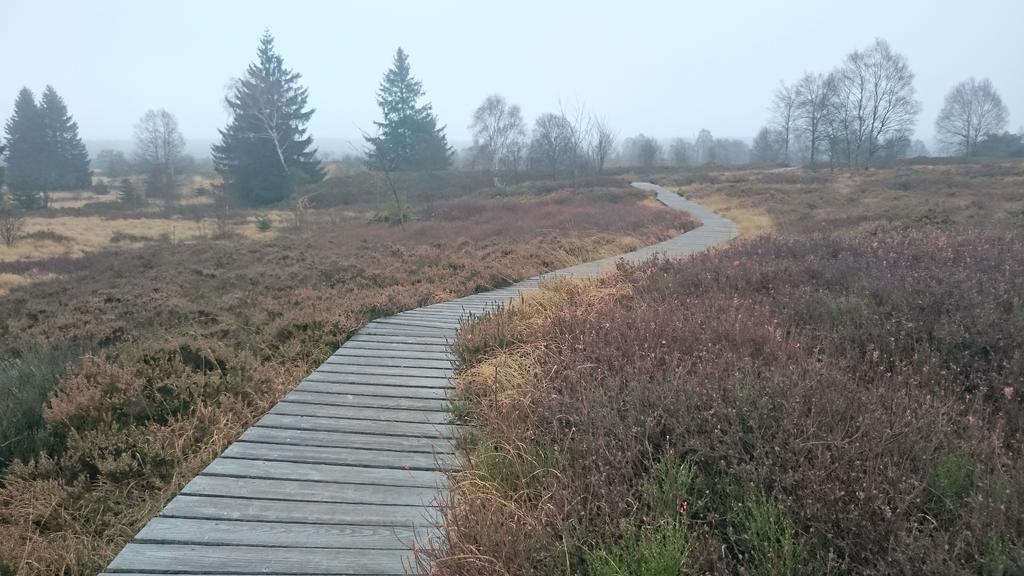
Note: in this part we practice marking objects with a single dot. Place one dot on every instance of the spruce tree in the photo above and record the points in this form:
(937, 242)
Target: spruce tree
(264, 152)
(26, 152)
(3, 174)
(67, 160)
(408, 137)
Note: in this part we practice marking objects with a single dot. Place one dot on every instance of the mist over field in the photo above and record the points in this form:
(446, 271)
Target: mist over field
(665, 69)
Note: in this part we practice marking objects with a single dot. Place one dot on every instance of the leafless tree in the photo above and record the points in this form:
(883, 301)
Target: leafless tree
(11, 224)
(680, 152)
(875, 102)
(973, 110)
(602, 143)
(553, 147)
(813, 95)
(158, 150)
(784, 114)
(703, 147)
(730, 151)
(641, 150)
(769, 146)
(581, 131)
(499, 134)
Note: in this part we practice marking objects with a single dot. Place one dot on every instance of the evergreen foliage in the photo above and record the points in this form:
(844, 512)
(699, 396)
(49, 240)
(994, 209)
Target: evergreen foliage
(3, 174)
(66, 159)
(408, 137)
(26, 150)
(128, 193)
(45, 151)
(265, 152)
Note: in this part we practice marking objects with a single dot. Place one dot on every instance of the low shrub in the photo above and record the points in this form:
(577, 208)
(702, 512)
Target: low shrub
(835, 404)
(48, 236)
(192, 342)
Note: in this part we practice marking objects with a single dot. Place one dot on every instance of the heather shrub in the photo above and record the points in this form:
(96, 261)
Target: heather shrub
(188, 345)
(48, 236)
(28, 374)
(835, 404)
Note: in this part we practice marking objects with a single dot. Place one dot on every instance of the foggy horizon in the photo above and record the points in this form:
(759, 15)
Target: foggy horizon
(661, 69)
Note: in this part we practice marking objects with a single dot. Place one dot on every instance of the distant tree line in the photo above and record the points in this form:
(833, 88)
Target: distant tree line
(864, 112)
(860, 114)
(705, 149)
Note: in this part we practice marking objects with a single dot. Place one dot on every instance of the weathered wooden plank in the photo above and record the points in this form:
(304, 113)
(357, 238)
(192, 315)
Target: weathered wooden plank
(461, 309)
(250, 509)
(399, 354)
(291, 535)
(357, 426)
(324, 473)
(414, 381)
(436, 342)
(289, 490)
(343, 456)
(430, 315)
(438, 336)
(372, 390)
(362, 413)
(367, 401)
(258, 560)
(383, 358)
(356, 368)
(446, 326)
(348, 440)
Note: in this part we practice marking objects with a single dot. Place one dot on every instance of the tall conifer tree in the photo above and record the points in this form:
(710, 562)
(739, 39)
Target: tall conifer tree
(408, 137)
(265, 152)
(26, 151)
(67, 160)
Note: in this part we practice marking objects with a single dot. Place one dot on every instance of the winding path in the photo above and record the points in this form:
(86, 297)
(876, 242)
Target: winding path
(340, 476)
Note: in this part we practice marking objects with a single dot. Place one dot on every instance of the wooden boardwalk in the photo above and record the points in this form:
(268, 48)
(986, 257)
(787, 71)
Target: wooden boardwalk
(339, 477)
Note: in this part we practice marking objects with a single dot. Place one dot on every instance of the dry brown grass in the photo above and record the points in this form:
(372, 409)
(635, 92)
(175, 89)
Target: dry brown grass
(185, 345)
(801, 201)
(752, 220)
(91, 234)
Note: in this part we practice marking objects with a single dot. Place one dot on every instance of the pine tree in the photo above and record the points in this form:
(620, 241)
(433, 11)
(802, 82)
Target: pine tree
(66, 159)
(127, 193)
(3, 174)
(265, 152)
(26, 150)
(408, 138)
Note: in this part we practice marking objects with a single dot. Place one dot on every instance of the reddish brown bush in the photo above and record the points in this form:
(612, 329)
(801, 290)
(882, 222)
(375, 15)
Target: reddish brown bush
(814, 406)
(188, 344)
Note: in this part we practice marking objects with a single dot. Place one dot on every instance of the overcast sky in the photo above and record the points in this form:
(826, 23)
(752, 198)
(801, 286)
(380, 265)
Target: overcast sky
(662, 68)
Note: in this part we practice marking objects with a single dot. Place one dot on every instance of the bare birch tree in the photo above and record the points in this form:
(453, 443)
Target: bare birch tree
(813, 96)
(499, 134)
(875, 101)
(973, 110)
(784, 116)
(158, 151)
(602, 143)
